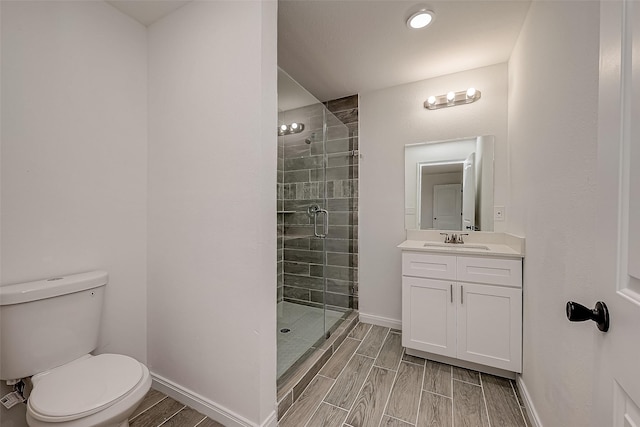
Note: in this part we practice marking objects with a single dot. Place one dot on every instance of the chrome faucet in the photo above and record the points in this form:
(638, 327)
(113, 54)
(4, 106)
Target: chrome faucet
(454, 238)
(458, 238)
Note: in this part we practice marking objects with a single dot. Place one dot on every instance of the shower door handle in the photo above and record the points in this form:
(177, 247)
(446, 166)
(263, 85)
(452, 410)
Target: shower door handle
(325, 224)
(315, 210)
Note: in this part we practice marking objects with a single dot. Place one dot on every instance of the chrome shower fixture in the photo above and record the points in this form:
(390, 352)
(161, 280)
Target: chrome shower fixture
(311, 139)
(289, 129)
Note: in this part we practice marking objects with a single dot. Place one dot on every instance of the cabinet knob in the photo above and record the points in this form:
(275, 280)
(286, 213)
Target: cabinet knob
(579, 313)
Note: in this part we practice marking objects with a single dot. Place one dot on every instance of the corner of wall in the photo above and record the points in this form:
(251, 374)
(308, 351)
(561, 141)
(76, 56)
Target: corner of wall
(532, 414)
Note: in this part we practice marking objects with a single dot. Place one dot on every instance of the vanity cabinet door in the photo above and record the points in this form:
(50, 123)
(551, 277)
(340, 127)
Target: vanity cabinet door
(429, 315)
(489, 326)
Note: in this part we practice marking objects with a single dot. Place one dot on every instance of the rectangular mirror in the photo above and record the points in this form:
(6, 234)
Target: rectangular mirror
(449, 184)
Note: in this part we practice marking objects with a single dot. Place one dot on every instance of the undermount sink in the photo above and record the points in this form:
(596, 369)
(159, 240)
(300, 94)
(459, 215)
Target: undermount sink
(457, 246)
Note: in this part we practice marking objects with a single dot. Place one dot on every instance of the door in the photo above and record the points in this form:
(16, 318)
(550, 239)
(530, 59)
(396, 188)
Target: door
(302, 226)
(617, 372)
(489, 328)
(447, 207)
(317, 224)
(469, 193)
(429, 315)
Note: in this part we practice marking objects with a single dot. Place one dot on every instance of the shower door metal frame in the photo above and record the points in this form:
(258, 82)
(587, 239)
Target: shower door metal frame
(317, 210)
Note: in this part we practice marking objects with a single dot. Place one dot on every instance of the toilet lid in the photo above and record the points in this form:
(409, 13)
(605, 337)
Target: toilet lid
(84, 387)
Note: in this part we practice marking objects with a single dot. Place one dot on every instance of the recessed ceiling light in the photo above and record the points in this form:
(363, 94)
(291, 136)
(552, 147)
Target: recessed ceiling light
(420, 19)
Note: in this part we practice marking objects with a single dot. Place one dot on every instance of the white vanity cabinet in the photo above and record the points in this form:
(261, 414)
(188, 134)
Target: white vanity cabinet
(464, 307)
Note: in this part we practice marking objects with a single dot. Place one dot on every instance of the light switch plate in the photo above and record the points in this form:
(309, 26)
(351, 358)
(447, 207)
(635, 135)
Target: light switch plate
(498, 213)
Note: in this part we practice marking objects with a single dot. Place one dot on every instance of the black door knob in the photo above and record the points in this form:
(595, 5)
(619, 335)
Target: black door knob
(579, 313)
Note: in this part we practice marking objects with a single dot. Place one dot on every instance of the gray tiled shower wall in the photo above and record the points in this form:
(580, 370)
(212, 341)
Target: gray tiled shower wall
(301, 183)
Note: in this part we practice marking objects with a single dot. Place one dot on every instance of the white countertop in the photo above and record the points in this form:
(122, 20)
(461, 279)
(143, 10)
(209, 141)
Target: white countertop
(476, 248)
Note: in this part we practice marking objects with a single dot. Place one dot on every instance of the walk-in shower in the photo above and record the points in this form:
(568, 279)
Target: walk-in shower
(317, 223)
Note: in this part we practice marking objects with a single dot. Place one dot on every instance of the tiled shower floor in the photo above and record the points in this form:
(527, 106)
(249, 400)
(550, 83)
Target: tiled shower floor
(306, 326)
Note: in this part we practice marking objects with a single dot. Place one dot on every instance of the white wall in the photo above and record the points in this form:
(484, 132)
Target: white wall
(553, 87)
(391, 118)
(74, 154)
(212, 204)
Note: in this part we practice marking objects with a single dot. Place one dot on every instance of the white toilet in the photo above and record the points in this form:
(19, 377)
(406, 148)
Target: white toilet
(48, 329)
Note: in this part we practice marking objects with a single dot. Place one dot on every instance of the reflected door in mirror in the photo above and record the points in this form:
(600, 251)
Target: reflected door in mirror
(469, 200)
(447, 205)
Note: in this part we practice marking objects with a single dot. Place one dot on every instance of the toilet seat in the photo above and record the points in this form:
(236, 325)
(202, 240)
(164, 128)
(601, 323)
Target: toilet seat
(83, 387)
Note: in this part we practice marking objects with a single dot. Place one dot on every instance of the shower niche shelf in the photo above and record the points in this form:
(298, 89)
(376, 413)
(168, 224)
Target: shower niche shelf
(295, 236)
(286, 212)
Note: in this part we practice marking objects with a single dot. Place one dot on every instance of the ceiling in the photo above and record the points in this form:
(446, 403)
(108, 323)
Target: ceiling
(339, 48)
(335, 48)
(147, 11)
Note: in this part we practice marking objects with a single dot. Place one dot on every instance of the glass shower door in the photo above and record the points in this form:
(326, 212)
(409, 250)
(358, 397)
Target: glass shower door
(340, 240)
(303, 224)
(317, 223)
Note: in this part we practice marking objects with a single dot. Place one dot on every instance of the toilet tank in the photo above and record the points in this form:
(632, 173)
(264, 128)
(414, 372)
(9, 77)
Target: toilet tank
(48, 323)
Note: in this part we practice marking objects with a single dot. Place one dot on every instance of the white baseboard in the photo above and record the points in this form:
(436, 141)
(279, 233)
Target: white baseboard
(271, 421)
(380, 321)
(205, 406)
(528, 403)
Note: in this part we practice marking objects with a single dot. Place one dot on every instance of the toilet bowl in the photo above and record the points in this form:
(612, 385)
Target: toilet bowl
(101, 390)
(48, 328)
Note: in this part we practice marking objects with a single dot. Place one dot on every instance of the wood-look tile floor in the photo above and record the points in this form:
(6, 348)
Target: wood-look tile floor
(157, 409)
(370, 382)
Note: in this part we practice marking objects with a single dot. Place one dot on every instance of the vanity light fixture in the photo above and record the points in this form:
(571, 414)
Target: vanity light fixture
(289, 129)
(452, 98)
(420, 19)
(471, 92)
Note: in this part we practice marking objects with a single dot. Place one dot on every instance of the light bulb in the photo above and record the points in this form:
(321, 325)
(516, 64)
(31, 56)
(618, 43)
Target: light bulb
(471, 92)
(294, 126)
(283, 128)
(451, 96)
(431, 100)
(420, 19)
